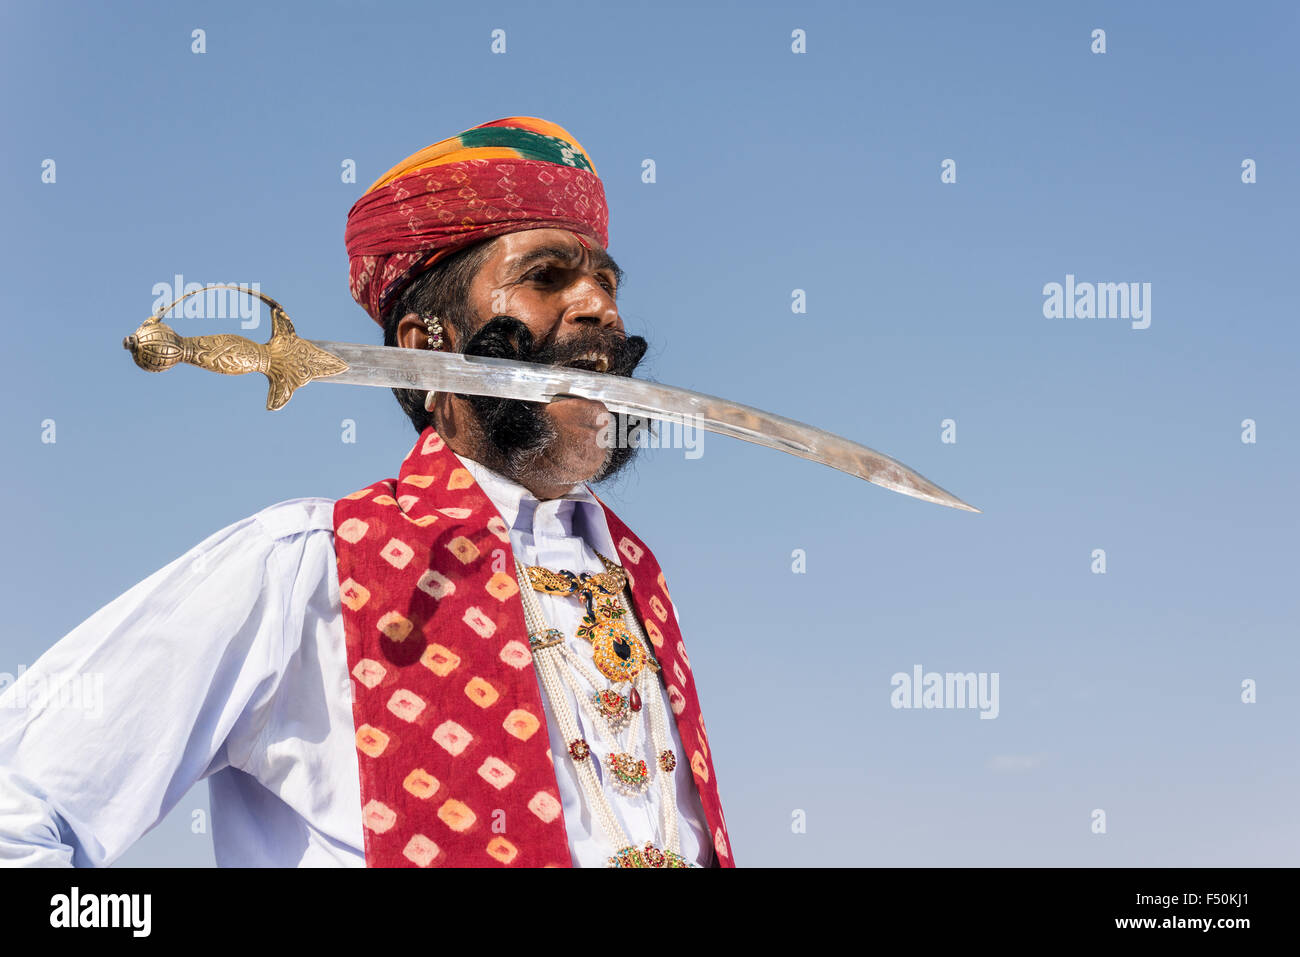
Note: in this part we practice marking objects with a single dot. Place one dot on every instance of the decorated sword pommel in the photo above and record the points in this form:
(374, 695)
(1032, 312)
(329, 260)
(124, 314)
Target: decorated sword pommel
(287, 361)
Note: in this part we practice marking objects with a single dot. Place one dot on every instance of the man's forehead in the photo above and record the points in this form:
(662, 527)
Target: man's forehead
(516, 248)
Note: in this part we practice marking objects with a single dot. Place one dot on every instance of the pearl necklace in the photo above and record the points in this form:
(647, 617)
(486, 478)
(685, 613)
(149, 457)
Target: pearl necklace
(550, 655)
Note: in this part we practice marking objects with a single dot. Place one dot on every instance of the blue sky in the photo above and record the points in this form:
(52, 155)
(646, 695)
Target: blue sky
(775, 171)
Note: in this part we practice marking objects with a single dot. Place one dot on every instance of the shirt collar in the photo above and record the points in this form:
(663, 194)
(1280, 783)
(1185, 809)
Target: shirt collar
(577, 511)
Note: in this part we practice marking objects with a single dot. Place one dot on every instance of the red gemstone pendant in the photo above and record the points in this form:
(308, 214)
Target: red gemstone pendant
(634, 700)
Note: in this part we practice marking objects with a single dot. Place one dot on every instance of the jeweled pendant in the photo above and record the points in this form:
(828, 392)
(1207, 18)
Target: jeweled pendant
(613, 707)
(667, 760)
(618, 656)
(631, 776)
(634, 700)
(579, 750)
(647, 856)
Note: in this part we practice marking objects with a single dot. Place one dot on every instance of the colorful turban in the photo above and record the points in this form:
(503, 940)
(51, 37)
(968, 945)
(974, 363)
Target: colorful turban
(502, 177)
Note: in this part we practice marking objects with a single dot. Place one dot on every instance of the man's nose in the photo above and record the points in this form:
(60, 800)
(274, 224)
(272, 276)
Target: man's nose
(593, 306)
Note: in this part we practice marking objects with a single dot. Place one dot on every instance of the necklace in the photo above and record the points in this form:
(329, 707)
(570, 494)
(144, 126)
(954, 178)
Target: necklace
(616, 653)
(629, 774)
(619, 656)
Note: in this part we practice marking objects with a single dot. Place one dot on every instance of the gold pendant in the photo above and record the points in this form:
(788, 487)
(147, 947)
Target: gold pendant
(613, 707)
(631, 775)
(647, 856)
(617, 654)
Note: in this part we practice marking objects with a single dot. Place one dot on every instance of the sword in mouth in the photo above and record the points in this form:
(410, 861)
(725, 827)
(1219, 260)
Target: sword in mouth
(290, 362)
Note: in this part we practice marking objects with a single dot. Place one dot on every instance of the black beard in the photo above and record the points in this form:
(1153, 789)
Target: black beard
(517, 432)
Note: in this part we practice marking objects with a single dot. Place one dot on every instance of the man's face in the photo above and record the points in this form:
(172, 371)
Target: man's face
(563, 290)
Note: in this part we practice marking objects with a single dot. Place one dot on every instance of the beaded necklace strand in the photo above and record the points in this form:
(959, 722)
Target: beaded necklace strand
(557, 666)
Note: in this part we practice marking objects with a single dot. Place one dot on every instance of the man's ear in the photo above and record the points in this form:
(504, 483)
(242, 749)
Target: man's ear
(412, 333)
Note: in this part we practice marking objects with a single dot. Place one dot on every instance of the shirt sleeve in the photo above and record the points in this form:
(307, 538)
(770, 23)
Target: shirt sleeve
(164, 685)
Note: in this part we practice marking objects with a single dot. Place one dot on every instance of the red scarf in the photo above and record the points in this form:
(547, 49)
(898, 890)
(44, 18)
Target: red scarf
(451, 736)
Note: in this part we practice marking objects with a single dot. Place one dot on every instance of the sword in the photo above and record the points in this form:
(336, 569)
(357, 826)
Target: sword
(290, 362)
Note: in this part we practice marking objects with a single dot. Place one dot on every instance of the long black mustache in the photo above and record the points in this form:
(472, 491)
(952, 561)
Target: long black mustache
(505, 337)
(517, 428)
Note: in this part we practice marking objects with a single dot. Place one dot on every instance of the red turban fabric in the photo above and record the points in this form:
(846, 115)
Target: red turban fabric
(502, 177)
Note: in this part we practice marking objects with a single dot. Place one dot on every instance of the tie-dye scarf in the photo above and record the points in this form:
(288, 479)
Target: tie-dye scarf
(454, 755)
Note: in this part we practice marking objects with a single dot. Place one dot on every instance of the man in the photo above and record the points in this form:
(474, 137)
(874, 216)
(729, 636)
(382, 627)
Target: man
(442, 669)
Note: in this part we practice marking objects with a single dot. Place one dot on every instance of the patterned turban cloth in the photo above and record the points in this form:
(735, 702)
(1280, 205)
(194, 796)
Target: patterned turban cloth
(502, 177)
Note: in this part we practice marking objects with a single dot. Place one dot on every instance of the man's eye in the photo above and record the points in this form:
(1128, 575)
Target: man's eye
(547, 274)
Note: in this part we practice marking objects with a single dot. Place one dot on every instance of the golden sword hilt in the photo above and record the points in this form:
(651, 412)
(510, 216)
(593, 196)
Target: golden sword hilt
(287, 361)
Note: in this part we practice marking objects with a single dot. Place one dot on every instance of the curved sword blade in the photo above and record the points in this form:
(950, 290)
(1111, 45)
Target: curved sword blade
(390, 367)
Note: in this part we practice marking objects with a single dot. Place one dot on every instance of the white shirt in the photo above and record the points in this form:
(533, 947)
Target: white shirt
(230, 664)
